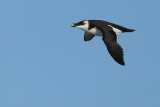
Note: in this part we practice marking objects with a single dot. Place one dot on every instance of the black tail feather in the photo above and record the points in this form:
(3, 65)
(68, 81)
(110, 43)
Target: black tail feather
(128, 30)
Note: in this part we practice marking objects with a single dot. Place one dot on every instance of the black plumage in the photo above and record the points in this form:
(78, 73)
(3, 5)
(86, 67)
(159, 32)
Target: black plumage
(110, 38)
(109, 32)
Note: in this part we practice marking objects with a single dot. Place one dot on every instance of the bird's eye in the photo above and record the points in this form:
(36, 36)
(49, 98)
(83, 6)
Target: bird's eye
(81, 23)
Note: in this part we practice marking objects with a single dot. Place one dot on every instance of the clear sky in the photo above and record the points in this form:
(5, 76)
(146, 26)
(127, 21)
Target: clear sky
(46, 63)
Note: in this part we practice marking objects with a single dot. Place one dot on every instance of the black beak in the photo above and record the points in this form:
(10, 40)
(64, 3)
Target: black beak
(73, 25)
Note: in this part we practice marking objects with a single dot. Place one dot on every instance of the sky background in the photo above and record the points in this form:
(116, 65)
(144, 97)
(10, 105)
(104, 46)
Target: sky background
(46, 63)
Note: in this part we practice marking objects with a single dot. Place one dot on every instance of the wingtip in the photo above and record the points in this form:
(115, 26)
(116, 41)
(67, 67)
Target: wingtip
(122, 63)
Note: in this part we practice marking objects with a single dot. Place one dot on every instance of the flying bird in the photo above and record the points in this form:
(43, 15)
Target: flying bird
(109, 33)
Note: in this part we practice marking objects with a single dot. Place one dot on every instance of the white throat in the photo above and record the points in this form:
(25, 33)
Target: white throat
(93, 31)
(84, 27)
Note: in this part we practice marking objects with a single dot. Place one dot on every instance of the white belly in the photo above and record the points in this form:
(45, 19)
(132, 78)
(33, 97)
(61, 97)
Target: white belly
(95, 31)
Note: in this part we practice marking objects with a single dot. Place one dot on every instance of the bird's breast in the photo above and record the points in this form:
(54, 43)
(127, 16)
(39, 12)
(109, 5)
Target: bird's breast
(95, 31)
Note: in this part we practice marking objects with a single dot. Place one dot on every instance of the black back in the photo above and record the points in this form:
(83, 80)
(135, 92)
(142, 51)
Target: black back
(102, 23)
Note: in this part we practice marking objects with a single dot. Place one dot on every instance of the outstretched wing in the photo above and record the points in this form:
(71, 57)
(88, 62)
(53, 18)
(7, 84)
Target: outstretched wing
(115, 50)
(110, 40)
(88, 36)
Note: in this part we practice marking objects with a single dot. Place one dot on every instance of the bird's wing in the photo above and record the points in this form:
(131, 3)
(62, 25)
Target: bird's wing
(88, 36)
(115, 50)
(110, 40)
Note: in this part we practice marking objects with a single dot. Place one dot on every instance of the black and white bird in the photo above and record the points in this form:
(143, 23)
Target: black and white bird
(108, 31)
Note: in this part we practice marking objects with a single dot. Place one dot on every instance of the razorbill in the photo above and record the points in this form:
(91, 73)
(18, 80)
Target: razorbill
(108, 31)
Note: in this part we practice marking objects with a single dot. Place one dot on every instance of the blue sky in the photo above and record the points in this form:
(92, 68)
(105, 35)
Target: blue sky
(45, 63)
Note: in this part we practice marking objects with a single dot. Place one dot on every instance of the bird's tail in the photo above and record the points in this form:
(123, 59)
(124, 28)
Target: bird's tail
(128, 30)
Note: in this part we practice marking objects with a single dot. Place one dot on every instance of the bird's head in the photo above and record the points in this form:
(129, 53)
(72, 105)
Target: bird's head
(81, 25)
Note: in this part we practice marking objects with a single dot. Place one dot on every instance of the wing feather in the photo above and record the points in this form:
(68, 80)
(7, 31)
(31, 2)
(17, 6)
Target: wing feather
(88, 36)
(115, 50)
(110, 40)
